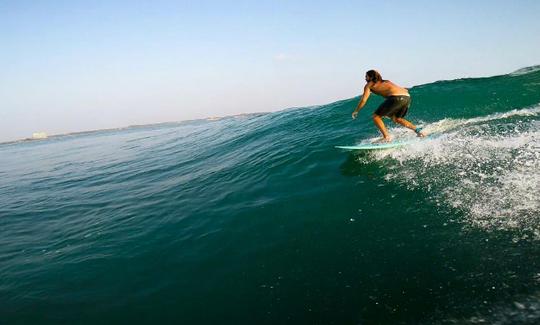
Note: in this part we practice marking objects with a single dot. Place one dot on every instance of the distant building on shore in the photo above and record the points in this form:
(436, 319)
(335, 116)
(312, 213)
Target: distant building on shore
(39, 135)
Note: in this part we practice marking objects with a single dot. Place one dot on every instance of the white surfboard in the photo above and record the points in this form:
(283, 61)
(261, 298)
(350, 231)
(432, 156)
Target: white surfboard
(383, 145)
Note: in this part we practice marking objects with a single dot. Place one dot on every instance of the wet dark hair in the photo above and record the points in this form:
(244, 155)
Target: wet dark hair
(374, 76)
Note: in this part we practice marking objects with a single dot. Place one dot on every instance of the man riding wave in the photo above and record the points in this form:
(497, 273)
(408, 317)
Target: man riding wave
(395, 106)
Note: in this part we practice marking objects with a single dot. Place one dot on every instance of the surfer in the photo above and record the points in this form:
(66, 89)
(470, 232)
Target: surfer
(395, 106)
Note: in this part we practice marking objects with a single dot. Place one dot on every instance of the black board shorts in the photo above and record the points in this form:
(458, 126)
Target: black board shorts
(394, 106)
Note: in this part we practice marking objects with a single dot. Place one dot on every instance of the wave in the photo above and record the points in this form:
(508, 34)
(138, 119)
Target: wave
(526, 70)
(263, 205)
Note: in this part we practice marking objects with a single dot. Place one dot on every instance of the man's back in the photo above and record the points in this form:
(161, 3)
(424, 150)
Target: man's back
(387, 88)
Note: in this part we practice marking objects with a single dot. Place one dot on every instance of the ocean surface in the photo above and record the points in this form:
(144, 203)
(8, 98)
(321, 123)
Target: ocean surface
(258, 219)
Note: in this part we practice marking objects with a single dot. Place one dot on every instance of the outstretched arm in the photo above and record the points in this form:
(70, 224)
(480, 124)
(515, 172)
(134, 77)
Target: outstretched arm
(363, 101)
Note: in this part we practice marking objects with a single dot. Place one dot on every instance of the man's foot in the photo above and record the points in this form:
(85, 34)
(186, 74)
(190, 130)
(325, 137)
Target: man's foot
(419, 133)
(383, 140)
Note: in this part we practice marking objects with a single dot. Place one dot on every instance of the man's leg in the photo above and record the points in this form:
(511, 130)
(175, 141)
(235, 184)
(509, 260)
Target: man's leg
(380, 125)
(407, 124)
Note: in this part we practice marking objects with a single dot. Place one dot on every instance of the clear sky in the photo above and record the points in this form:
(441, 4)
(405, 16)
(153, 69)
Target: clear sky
(80, 65)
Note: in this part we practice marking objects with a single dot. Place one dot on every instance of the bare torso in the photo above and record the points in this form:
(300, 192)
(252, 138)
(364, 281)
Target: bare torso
(387, 88)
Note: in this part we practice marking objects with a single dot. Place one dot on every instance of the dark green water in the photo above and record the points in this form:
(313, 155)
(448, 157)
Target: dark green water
(257, 219)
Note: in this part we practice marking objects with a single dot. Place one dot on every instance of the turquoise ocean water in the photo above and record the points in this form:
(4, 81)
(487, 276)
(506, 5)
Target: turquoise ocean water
(258, 219)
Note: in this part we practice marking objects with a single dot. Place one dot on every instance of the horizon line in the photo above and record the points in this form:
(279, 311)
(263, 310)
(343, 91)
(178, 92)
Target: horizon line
(527, 69)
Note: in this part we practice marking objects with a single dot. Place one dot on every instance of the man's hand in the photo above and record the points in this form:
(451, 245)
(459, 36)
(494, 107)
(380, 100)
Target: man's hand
(363, 101)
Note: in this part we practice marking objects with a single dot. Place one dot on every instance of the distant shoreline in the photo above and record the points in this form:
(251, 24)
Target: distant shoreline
(134, 126)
